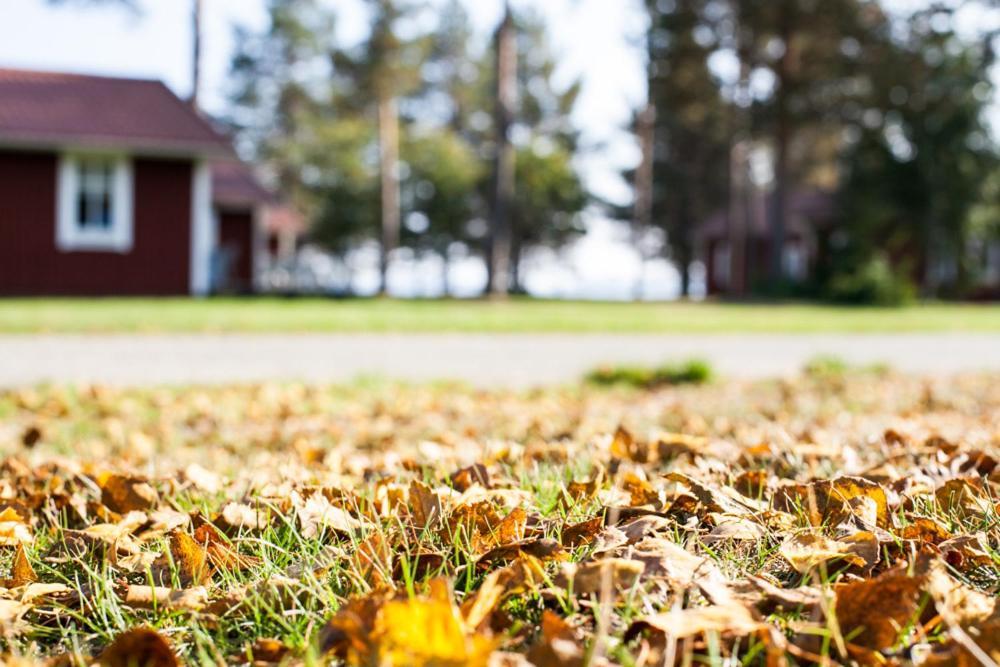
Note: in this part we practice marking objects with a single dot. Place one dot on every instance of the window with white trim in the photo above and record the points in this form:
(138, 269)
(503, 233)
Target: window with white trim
(94, 203)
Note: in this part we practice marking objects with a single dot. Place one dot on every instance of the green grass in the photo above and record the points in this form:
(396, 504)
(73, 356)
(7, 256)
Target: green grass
(517, 315)
(693, 371)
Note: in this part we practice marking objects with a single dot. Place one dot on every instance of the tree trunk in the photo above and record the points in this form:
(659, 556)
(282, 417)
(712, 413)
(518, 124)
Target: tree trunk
(445, 268)
(388, 137)
(503, 177)
(782, 136)
(683, 243)
(643, 216)
(197, 11)
(514, 285)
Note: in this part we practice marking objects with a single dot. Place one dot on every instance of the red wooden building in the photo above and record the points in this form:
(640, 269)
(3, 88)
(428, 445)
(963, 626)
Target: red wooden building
(115, 186)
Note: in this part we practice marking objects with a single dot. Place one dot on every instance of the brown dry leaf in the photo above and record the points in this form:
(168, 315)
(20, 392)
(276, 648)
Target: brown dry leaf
(714, 499)
(508, 531)
(966, 551)
(11, 613)
(220, 551)
(959, 605)
(833, 502)
(123, 493)
(14, 529)
(752, 483)
(21, 572)
(974, 648)
(425, 506)
(671, 445)
(189, 558)
(734, 529)
(769, 597)
(139, 646)
(624, 446)
(874, 613)
(582, 533)
(807, 550)
(634, 531)
(662, 558)
(965, 498)
(925, 530)
(542, 549)
(203, 479)
(465, 478)
(471, 520)
(235, 517)
(348, 635)
(579, 492)
(641, 491)
(730, 619)
(162, 597)
(266, 650)
(317, 513)
(558, 645)
(372, 560)
(477, 608)
(617, 575)
(31, 436)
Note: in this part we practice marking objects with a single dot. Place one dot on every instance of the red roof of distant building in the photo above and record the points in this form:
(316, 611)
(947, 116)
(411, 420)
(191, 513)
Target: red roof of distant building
(281, 217)
(56, 110)
(234, 184)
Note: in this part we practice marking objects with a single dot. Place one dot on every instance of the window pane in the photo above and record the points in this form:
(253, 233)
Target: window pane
(95, 194)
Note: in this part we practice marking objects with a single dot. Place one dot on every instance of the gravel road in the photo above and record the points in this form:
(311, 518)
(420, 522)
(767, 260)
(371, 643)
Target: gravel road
(512, 360)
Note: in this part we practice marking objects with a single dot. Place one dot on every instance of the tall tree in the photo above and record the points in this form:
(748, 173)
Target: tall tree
(278, 113)
(501, 227)
(690, 148)
(920, 156)
(381, 71)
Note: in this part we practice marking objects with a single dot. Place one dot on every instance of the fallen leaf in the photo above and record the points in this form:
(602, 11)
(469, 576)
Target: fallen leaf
(139, 646)
(169, 599)
(122, 493)
(21, 572)
(731, 619)
(807, 550)
(615, 575)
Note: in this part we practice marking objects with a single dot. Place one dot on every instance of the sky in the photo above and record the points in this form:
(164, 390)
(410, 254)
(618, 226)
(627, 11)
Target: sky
(594, 40)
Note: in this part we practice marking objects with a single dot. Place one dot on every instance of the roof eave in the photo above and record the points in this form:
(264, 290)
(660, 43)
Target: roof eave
(150, 148)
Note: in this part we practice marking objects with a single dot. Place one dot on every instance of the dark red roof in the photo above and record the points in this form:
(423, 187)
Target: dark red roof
(54, 110)
(234, 184)
(807, 208)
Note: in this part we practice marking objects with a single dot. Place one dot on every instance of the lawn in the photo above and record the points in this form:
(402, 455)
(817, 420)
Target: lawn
(517, 315)
(843, 517)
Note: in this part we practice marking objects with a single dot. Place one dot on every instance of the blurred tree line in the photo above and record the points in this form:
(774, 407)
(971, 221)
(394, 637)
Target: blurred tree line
(882, 111)
(851, 131)
(401, 139)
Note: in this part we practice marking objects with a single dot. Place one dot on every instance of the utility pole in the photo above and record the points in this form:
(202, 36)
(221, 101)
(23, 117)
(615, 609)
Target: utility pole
(197, 10)
(501, 227)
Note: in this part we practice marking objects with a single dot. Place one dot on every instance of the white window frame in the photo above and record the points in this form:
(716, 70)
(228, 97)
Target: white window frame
(116, 237)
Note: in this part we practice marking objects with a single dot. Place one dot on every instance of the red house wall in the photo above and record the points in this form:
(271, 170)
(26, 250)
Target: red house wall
(236, 236)
(30, 263)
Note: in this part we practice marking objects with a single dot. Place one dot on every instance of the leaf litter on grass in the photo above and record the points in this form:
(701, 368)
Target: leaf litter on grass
(786, 522)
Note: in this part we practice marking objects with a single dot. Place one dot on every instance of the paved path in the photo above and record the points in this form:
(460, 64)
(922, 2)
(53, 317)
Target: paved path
(515, 360)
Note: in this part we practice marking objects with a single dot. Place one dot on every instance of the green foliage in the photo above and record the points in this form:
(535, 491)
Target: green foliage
(874, 283)
(444, 176)
(689, 372)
